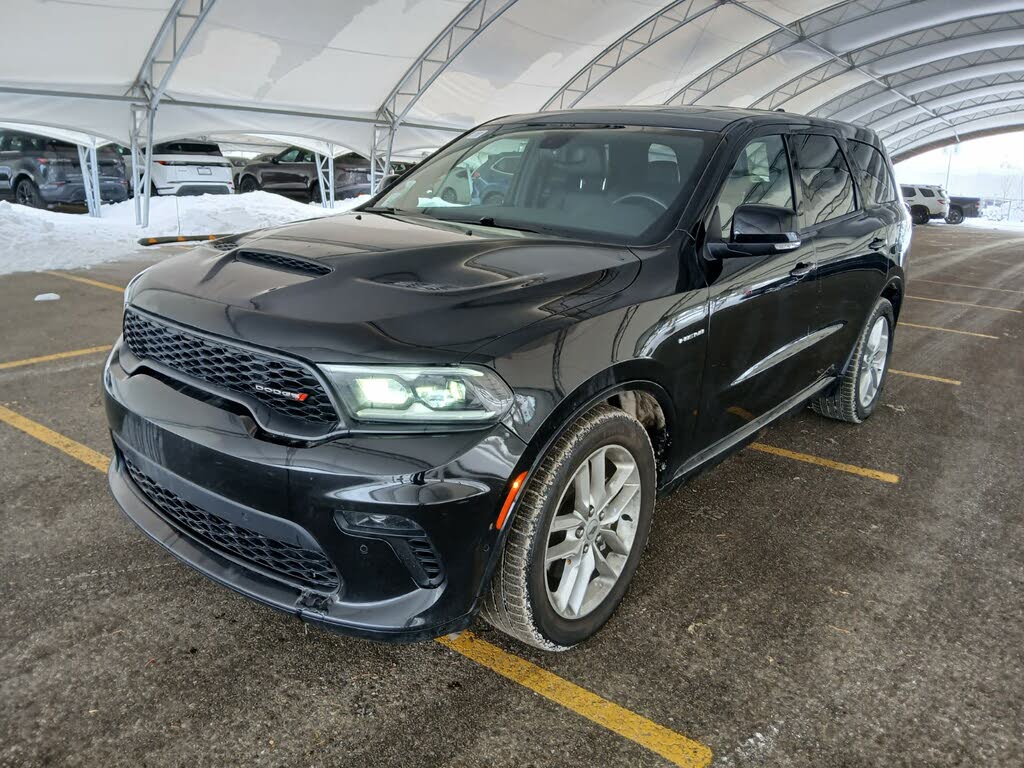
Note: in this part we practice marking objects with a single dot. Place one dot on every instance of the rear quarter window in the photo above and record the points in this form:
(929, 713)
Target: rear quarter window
(872, 173)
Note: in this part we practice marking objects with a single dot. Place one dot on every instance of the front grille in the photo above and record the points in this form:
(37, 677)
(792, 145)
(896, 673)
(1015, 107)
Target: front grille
(305, 567)
(229, 367)
(288, 263)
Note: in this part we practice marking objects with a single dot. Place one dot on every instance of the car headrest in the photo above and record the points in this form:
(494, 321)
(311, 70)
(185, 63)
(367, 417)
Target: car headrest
(663, 172)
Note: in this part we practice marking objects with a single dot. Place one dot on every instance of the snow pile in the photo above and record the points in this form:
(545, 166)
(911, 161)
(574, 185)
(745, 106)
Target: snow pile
(32, 240)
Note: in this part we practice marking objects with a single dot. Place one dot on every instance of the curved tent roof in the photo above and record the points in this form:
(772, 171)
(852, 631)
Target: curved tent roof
(369, 74)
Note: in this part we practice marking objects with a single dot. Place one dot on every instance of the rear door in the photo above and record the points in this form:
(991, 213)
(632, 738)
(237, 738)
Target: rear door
(762, 308)
(6, 167)
(851, 240)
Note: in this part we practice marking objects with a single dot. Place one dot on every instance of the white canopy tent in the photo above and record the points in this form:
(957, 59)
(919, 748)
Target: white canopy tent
(392, 78)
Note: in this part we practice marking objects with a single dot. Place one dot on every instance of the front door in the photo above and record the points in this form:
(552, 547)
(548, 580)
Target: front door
(762, 307)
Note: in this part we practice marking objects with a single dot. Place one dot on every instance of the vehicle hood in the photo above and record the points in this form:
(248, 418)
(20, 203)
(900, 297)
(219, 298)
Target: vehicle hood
(398, 289)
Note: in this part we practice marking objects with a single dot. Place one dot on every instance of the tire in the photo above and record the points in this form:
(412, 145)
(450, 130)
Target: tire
(955, 215)
(522, 601)
(27, 193)
(919, 215)
(248, 184)
(314, 193)
(494, 198)
(847, 400)
(449, 196)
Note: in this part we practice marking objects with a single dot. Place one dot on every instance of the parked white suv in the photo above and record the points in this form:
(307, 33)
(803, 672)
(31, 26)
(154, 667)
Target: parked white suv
(191, 168)
(925, 202)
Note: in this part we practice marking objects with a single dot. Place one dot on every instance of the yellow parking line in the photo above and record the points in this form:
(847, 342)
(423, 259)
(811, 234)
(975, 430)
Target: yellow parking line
(56, 356)
(874, 474)
(925, 376)
(83, 453)
(87, 281)
(674, 747)
(904, 323)
(968, 304)
(964, 285)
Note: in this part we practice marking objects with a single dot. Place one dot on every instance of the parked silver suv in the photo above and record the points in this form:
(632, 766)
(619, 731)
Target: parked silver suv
(42, 172)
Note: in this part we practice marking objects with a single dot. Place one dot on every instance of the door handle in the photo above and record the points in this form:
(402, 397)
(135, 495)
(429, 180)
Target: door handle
(802, 268)
(877, 244)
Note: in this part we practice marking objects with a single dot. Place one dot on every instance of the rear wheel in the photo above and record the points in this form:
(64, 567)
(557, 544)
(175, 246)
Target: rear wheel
(578, 533)
(248, 184)
(855, 396)
(494, 198)
(27, 193)
(955, 215)
(919, 214)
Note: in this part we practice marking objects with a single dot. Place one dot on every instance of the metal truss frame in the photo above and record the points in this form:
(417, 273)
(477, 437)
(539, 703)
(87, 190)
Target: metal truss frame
(325, 177)
(788, 36)
(648, 32)
(466, 27)
(963, 29)
(165, 53)
(90, 178)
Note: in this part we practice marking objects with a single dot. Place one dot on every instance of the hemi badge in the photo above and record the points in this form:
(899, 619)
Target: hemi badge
(691, 336)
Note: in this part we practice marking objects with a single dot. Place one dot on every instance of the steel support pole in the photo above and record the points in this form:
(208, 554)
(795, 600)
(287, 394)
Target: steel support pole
(96, 193)
(330, 163)
(136, 169)
(147, 166)
(83, 164)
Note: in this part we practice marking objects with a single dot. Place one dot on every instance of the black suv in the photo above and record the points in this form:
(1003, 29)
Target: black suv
(387, 421)
(40, 172)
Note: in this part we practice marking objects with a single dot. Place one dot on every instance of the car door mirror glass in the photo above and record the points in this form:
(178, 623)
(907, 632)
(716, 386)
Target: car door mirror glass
(759, 230)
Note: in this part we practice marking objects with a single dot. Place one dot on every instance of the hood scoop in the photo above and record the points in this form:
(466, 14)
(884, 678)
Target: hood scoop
(284, 263)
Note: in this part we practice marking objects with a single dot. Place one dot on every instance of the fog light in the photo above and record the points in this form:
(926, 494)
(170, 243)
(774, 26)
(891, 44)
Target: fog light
(376, 522)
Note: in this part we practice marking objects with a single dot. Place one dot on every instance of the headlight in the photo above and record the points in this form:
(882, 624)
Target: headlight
(431, 394)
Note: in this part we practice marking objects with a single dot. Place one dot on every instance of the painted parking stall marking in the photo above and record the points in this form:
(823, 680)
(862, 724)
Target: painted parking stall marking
(55, 356)
(86, 281)
(673, 746)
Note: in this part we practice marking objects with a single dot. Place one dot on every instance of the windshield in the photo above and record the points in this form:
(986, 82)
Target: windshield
(607, 183)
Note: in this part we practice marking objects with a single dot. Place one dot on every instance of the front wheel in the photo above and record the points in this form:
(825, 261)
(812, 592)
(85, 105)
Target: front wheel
(578, 533)
(27, 193)
(248, 184)
(855, 396)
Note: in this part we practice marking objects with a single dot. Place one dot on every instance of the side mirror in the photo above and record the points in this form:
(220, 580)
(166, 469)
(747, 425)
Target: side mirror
(275, 159)
(759, 230)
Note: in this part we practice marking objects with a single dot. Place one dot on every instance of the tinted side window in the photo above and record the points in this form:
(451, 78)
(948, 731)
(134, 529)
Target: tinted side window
(291, 156)
(872, 173)
(925, 192)
(908, 191)
(759, 175)
(825, 178)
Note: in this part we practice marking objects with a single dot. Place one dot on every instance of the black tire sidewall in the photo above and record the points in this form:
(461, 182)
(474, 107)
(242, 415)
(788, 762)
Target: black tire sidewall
(882, 309)
(919, 216)
(35, 200)
(955, 216)
(625, 431)
(248, 184)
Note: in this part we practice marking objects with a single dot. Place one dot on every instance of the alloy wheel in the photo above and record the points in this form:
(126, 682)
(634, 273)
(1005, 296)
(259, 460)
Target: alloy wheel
(592, 533)
(873, 358)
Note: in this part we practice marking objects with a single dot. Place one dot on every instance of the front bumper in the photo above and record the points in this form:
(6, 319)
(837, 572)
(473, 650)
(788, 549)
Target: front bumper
(211, 459)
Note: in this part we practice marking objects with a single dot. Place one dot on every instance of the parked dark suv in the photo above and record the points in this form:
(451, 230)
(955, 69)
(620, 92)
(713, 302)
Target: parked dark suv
(43, 172)
(293, 173)
(387, 421)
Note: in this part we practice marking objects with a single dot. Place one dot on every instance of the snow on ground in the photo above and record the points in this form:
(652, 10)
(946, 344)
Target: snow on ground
(33, 240)
(980, 223)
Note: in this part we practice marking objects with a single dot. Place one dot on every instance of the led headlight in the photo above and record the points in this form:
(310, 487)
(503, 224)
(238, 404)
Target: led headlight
(428, 394)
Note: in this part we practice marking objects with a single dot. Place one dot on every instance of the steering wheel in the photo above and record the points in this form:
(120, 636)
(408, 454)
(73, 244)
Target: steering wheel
(641, 196)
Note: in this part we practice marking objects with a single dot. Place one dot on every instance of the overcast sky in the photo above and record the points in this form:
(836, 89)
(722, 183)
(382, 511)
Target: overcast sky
(989, 167)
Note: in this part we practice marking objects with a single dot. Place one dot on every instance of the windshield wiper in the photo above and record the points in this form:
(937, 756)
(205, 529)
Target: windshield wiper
(378, 209)
(488, 221)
